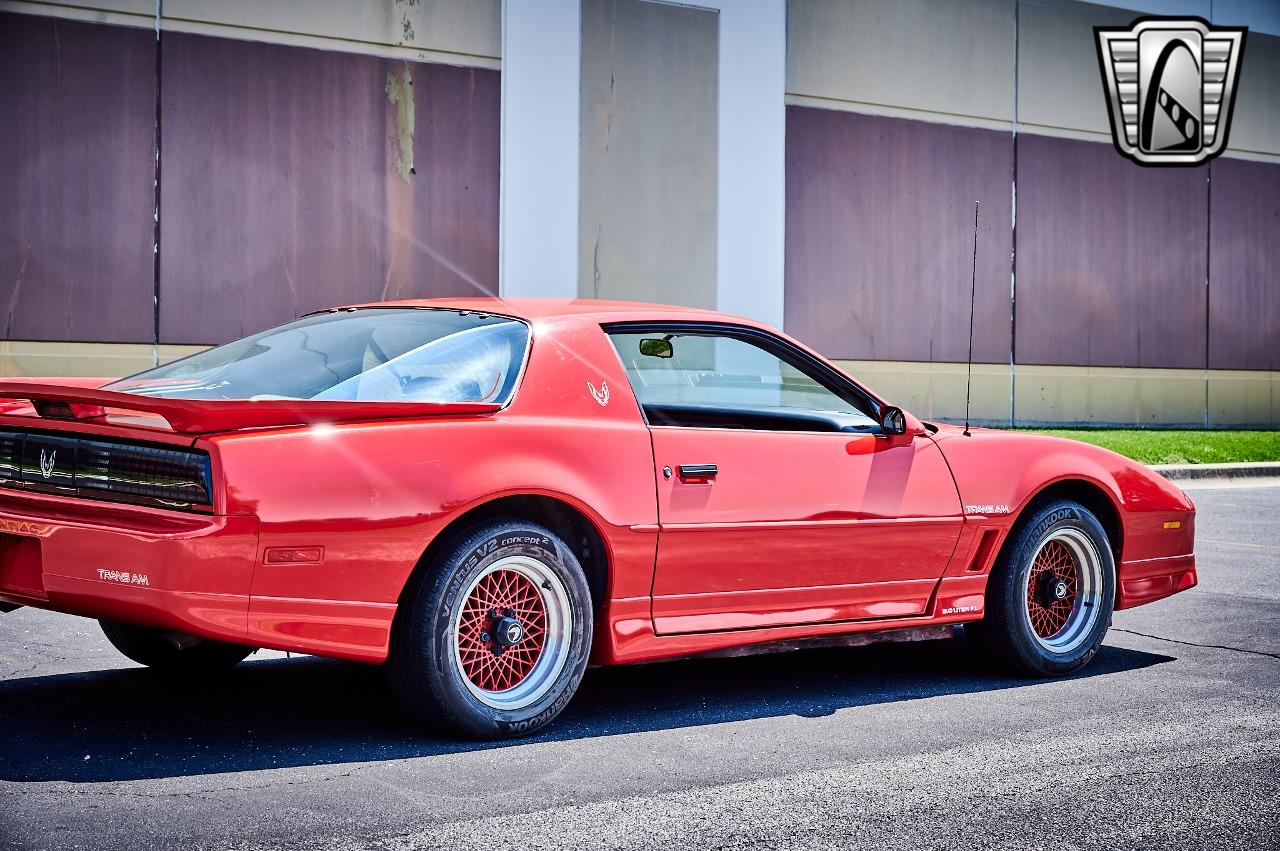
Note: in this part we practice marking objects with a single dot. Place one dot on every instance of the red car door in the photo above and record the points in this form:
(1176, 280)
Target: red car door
(778, 500)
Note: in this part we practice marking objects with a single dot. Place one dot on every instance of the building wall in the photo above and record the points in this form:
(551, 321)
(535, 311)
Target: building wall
(294, 179)
(1106, 292)
(309, 157)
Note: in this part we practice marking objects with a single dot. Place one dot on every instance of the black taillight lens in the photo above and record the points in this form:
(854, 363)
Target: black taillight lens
(10, 455)
(148, 471)
(104, 469)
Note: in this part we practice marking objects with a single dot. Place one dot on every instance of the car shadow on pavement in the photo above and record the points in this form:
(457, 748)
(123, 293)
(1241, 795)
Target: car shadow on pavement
(130, 724)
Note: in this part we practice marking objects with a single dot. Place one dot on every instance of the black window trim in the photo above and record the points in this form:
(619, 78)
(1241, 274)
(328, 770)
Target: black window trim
(823, 373)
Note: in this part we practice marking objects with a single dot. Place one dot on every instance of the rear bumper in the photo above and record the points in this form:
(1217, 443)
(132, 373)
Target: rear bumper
(172, 570)
(1153, 579)
(151, 567)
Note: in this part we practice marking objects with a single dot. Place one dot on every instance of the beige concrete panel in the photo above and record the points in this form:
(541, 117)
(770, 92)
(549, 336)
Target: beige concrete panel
(98, 11)
(1255, 122)
(939, 56)
(80, 359)
(936, 390)
(1066, 395)
(1059, 85)
(900, 112)
(169, 352)
(472, 27)
(459, 32)
(113, 360)
(1109, 396)
(1244, 398)
(647, 216)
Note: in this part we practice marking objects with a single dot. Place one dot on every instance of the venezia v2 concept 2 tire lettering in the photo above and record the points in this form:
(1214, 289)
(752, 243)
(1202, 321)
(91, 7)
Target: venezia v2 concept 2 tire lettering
(493, 636)
(1051, 593)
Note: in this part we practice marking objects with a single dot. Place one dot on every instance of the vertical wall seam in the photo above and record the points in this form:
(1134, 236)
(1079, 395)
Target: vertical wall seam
(1208, 249)
(1013, 232)
(1208, 275)
(155, 232)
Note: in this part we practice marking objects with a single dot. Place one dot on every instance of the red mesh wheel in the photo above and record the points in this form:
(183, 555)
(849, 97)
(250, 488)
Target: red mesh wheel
(1052, 588)
(490, 660)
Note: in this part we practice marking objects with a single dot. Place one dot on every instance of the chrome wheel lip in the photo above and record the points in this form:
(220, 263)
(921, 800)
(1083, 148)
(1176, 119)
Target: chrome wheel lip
(1089, 586)
(555, 651)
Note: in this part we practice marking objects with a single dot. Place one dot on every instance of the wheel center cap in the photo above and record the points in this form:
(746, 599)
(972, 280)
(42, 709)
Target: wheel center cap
(507, 631)
(1060, 590)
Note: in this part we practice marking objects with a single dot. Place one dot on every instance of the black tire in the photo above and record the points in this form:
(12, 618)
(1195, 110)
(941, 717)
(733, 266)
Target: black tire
(171, 652)
(425, 663)
(1006, 631)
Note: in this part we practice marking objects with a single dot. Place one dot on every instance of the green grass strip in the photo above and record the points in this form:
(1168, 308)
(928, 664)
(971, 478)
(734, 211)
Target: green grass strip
(1179, 446)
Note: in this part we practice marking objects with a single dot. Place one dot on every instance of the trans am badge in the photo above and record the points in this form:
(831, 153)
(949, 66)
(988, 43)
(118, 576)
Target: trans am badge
(601, 395)
(1170, 85)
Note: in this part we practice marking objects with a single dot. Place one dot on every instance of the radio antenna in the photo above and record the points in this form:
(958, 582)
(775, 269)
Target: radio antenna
(973, 291)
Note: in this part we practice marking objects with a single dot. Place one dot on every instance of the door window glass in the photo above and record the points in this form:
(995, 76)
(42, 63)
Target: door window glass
(709, 380)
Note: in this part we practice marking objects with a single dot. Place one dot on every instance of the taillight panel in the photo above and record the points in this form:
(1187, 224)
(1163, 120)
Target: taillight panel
(106, 469)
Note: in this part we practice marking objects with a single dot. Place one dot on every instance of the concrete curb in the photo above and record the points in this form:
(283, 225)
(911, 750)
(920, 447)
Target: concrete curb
(1193, 472)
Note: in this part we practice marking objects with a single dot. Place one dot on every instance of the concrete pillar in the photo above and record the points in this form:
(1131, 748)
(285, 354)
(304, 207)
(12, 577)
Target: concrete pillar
(541, 48)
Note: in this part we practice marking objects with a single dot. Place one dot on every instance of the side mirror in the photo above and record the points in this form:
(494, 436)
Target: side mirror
(656, 347)
(892, 420)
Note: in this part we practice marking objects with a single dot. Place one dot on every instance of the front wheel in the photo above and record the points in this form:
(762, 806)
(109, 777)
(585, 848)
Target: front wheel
(492, 639)
(1051, 593)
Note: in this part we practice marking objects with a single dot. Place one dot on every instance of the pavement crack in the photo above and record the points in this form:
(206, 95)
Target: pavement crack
(1197, 644)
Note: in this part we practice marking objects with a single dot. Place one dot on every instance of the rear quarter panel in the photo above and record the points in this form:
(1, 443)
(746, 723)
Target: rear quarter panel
(374, 495)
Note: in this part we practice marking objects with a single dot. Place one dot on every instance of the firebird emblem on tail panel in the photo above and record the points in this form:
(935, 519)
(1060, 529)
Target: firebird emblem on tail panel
(601, 395)
(47, 462)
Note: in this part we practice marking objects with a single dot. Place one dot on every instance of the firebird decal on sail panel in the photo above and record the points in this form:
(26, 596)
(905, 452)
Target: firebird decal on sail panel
(601, 395)
(437, 493)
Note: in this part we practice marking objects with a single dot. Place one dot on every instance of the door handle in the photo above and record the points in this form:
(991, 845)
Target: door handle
(698, 472)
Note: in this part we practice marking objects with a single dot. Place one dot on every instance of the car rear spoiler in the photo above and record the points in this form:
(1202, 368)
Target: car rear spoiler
(199, 416)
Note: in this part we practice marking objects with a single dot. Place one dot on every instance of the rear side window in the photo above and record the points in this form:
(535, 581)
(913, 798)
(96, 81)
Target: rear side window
(376, 355)
(710, 380)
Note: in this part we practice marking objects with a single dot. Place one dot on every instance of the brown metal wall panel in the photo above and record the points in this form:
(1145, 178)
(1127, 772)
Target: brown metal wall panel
(295, 179)
(880, 233)
(77, 127)
(1111, 258)
(1244, 257)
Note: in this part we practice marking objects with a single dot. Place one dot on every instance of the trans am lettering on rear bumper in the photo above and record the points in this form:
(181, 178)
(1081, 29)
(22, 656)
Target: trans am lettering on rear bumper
(124, 577)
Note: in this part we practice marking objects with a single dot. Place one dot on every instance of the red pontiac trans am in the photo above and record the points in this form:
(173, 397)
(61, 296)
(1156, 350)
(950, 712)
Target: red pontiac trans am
(487, 495)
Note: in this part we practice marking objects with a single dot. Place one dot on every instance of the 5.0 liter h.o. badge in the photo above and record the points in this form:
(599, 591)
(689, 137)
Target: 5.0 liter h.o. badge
(1170, 85)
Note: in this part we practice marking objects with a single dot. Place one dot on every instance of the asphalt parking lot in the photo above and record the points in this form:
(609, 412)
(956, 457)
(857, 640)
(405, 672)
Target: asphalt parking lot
(1171, 738)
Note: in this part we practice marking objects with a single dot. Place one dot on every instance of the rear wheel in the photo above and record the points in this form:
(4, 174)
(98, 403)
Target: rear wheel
(1051, 593)
(171, 651)
(492, 639)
